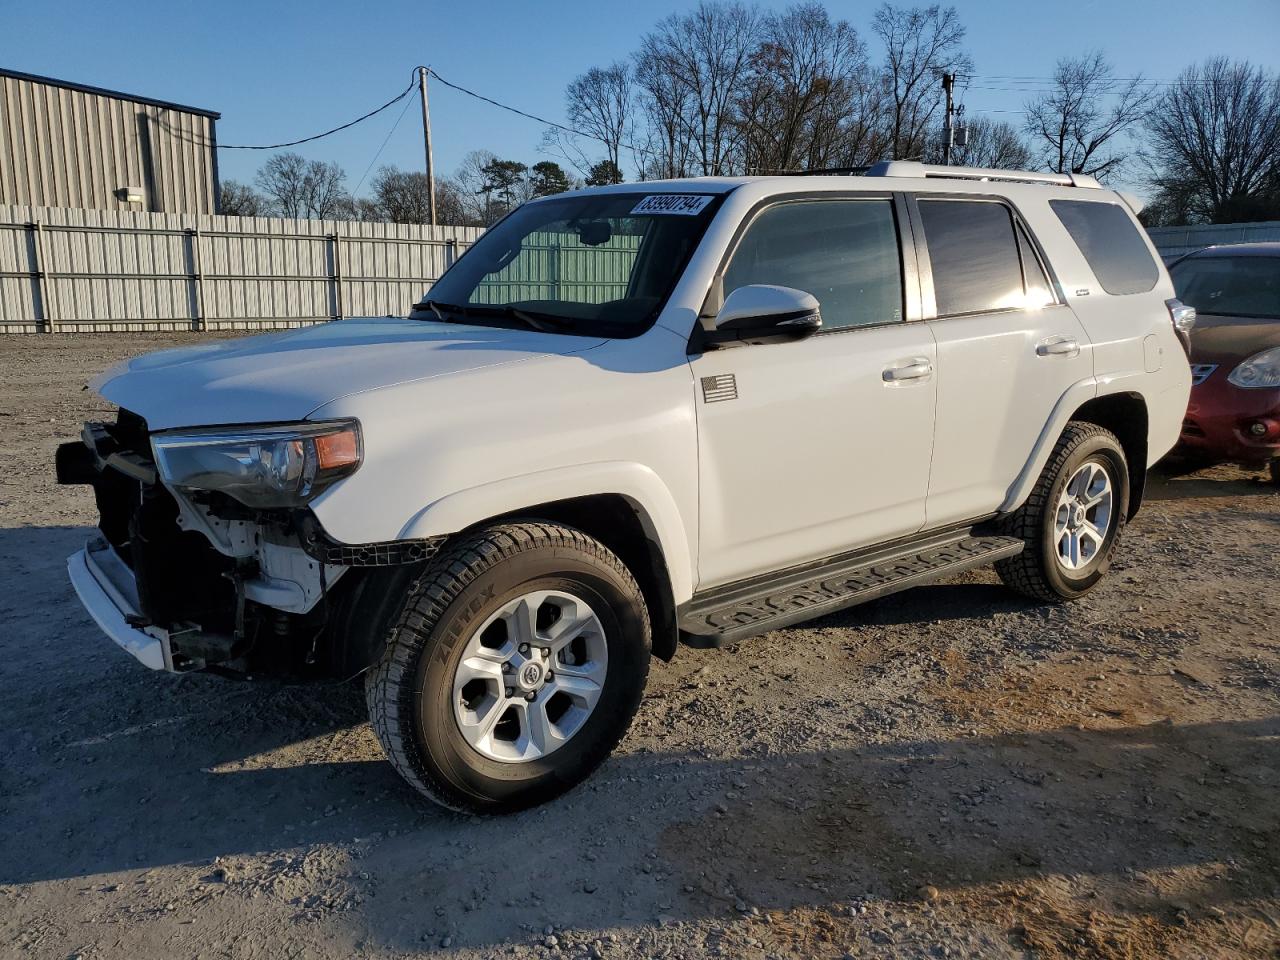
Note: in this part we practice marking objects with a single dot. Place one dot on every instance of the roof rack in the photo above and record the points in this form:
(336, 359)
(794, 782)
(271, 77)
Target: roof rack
(830, 172)
(912, 168)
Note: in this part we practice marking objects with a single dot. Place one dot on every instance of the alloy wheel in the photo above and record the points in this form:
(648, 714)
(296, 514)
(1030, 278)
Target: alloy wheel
(530, 676)
(1084, 516)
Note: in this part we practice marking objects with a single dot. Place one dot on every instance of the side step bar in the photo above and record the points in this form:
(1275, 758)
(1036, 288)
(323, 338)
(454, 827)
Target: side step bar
(777, 600)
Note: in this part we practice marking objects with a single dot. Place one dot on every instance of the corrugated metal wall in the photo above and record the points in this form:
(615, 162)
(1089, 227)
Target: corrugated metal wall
(63, 146)
(1174, 242)
(560, 265)
(93, 270)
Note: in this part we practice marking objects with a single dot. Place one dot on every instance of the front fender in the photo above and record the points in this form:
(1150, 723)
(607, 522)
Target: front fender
(640, 485)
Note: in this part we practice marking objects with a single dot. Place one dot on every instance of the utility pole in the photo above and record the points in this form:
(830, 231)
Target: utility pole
(948, 129)
(426, 138)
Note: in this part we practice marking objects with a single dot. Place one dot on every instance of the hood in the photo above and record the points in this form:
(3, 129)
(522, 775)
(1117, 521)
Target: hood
(1231, 339)
(279, 377)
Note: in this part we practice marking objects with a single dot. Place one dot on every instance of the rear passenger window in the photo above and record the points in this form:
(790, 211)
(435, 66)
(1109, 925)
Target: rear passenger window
(844, 252)
(1039, 291)
(1107, 237)
(974, 254)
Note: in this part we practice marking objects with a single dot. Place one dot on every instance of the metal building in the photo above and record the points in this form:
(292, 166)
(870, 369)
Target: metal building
(70, 145)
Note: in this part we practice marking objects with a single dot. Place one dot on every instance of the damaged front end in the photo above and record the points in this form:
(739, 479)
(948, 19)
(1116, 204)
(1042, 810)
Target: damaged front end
(208, 556)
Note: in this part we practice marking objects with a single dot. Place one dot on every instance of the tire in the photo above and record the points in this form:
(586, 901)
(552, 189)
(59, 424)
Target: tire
(1275, 472)
(430, 694)
(1049, 568)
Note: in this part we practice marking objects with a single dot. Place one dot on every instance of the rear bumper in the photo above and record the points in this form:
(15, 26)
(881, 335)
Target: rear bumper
(107, 588)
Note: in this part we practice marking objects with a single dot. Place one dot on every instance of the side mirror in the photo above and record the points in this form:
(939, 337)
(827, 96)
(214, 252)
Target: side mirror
(760, 313)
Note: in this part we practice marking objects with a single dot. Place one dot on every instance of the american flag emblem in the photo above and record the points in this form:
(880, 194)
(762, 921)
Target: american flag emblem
(723, 386)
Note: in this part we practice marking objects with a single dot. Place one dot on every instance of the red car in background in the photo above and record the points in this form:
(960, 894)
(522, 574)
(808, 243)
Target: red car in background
(1234, 413)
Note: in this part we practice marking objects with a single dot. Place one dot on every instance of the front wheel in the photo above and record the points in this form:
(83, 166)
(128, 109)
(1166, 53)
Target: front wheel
(515, 668)
(1275, 472)
(1073, 518)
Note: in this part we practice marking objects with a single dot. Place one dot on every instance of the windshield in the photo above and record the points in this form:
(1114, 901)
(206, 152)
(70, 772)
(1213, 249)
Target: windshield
(600, 264)
(1230, 286)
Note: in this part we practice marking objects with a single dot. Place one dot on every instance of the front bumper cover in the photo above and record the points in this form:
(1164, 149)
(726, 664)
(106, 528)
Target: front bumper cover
(109, 592)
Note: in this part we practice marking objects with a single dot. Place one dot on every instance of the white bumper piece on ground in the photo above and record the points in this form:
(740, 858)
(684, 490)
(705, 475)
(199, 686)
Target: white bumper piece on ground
(108, 591)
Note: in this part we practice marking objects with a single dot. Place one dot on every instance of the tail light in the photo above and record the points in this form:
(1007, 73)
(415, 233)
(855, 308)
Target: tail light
(1184, 321)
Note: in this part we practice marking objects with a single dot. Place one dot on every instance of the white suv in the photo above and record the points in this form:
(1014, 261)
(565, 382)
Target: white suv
(692, 410)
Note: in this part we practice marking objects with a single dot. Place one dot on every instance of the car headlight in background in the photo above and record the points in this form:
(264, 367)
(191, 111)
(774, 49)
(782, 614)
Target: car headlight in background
(1259, 371)
(262, 467)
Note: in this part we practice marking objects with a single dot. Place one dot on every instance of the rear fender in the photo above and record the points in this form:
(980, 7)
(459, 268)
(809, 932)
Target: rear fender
(1076, 396)
(1091, 393)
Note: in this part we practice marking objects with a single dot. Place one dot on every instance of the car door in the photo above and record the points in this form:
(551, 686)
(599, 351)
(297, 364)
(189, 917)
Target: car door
(1008, 349)
(811, 448)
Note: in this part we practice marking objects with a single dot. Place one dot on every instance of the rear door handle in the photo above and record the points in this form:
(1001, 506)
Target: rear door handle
(1058, 347)
(913, 368)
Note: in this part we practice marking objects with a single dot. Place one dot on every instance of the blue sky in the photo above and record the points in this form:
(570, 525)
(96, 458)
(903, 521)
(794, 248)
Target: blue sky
(283, 70)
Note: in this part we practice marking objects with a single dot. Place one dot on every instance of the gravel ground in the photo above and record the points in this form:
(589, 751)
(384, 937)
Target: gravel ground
(950, 772)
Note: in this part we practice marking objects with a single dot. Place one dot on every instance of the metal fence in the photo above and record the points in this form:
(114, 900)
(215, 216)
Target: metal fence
(1174, 242)
(76, 270)
(90, 270)
(555, 265)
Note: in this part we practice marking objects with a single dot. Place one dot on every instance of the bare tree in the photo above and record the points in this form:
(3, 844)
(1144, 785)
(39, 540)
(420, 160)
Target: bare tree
(804, 94)
(361, 209)
(697, 63)
(666, 149)
(921, 43)
(600, 104)
(402, 196)
(992, 144)
(1081, 124)
(300, 188)
(237, 199)
(283, 179)
(475, 196)
(326, 189)
(1216, 134)
(451, 205)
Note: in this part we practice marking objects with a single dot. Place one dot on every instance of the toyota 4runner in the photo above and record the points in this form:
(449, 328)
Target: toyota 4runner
(692, 410)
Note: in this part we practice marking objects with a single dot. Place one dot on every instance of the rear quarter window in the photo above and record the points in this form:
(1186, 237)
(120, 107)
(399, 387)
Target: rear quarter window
(1111, 243)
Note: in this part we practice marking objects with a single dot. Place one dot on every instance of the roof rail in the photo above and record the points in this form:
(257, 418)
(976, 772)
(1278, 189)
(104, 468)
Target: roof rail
(912, 168)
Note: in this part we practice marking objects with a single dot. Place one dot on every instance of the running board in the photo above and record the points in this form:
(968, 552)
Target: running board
(754, 606)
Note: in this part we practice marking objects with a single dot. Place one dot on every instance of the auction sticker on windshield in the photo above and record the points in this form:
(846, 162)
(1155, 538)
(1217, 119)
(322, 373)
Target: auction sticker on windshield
(685, 203)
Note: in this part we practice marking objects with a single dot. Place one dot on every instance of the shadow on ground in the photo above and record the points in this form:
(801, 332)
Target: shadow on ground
(1171, 482)
(177, 771)
(776, 832)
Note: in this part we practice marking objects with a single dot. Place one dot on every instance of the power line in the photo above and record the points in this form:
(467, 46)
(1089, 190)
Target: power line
(530, 116)
(385, 141)
(294, 143)
(1020, 81)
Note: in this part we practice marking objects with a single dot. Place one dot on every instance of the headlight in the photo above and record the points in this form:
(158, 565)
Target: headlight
(262, 467)
(1259, 371)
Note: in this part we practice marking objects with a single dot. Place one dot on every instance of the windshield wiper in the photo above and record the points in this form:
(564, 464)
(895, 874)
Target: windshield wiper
(542, 322)
(439, 309)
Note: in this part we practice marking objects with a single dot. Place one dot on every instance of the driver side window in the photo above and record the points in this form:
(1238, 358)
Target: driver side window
(844, 252)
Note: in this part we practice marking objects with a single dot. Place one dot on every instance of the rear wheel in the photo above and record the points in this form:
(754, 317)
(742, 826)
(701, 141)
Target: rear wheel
(1073, 518)
(515, 669)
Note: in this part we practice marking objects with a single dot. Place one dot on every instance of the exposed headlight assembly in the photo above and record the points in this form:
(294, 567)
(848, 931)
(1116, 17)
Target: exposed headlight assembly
(1260, 371)
(262, 467)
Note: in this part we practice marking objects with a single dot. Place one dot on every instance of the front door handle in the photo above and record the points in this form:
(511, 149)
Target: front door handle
(913, 368)
(1058, 347)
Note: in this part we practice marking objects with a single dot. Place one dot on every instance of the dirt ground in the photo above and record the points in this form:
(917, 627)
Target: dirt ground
(950, 772)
